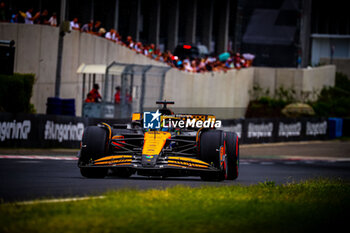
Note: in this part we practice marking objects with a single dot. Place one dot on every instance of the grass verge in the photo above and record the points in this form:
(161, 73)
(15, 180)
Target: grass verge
(310, 206)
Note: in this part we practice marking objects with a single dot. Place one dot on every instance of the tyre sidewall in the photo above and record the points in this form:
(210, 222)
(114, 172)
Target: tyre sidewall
(209, 146)
(232, 155)
(94, 143)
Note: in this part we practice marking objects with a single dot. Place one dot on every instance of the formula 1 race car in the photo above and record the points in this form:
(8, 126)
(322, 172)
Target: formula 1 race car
(165, 151)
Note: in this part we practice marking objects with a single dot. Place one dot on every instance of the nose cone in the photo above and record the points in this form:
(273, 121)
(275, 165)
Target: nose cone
(154, 142)
(149, 160)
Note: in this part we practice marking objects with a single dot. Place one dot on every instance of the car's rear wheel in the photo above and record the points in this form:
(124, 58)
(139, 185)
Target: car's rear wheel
(94, 146)
(211, 144)
(232, 154)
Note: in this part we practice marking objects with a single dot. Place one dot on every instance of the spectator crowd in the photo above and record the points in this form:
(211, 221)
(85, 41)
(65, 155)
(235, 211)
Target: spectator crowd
(222, 62)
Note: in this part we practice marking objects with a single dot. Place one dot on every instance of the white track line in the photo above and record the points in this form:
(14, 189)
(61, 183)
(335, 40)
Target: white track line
(58, 200)
(39, 157)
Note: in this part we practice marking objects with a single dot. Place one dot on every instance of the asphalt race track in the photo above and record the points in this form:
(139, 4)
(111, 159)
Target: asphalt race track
(30, 177)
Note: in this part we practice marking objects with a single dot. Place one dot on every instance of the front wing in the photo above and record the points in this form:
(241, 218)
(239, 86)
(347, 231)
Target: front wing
(170, 165)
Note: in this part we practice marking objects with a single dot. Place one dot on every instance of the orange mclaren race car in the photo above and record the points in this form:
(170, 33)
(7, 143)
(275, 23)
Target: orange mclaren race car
(161, 144)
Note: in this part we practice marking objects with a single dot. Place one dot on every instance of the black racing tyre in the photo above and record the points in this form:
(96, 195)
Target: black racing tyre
(94, 143)
(210, 143)
(94, 146)
(232, 153)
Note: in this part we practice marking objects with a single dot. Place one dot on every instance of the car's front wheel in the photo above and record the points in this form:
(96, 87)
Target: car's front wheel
(94, 146)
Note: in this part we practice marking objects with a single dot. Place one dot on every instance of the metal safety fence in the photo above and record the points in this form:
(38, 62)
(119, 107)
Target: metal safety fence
(140, 86)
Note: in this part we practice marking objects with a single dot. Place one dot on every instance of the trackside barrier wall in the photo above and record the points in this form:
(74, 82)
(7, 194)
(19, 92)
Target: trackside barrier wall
(44, 131)
(335, 127)
(50, 131)
(36, 52)
(346, 127)
(264, 130)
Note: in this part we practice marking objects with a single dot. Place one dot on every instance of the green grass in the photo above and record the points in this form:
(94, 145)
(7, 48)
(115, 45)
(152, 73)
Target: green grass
(310, 206)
